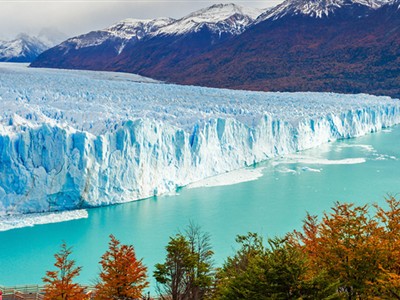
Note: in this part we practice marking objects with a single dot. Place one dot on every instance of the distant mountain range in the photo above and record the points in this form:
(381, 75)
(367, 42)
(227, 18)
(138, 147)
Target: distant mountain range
(150, 41)
(96, 49)
(25, 48)
(348, 46)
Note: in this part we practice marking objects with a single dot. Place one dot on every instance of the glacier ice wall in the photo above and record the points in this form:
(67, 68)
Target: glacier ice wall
(68, 140)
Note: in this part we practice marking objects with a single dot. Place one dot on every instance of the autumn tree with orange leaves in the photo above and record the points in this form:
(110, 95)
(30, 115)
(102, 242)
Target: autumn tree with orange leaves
(59, 284)
(357, 249)
(123, 276)
(388, 284)
(353, 252)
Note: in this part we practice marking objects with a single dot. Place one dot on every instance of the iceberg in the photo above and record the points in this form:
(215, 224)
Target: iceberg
(77, 139)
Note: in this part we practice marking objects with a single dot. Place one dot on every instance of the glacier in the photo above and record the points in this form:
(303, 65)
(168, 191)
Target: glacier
(76, 139)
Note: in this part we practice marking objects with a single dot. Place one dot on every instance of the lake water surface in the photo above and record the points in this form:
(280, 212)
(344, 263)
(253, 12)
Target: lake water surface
(362, 170)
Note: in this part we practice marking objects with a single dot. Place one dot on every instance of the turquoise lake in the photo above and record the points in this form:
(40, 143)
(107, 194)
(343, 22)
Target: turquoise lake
(361, 170)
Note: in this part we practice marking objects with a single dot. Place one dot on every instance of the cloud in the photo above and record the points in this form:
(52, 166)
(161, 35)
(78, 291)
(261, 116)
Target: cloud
(74, 17)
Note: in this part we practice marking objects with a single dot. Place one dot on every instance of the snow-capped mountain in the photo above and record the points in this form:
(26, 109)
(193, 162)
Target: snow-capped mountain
(187, 37)
(119, 33)
(22, 49)
(319, 8)
(219, 19)
(347, 46)
(95, 49)
(339, 53)
(135, 41)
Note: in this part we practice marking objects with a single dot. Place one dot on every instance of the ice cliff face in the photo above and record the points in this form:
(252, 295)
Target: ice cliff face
(70, 139)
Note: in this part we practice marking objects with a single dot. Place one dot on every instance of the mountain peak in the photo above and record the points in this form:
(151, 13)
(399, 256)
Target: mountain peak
(132, 22)
(123, 31)
(23, 48)
(316, 8)
(130, 28)
(218, 18)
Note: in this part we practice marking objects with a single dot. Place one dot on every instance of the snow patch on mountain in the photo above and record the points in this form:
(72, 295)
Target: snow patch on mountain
(71, 139)
(219, 18)
(122, 32)
(315, 8)
(130, 28)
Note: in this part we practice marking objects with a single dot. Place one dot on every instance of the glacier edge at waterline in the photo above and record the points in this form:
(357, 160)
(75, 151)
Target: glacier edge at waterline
(53, 158)
(52, 168)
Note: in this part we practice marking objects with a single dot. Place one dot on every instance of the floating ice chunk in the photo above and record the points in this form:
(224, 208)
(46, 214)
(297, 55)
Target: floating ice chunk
(308, 169)
(19, 221)
(385, 157)
(387, 130)
(285, 170)
(230, 178)
(367, 148)
(290, 159)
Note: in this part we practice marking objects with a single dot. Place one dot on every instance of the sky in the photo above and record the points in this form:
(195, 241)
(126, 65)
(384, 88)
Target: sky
(74, 17)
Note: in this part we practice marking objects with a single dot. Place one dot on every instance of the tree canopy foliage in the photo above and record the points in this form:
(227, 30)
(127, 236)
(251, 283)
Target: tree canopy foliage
(123, 276)
(187, 272)
(353, 252)
(59, 284)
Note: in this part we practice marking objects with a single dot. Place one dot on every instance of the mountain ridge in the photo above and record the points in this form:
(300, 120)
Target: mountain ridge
(317, 8)
(192, 33)
(212, 16)
(304, 54)
(351, 50)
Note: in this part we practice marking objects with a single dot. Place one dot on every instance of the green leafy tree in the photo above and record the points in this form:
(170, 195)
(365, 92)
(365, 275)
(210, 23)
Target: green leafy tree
(173, 276)
(202, 273)
(229, 283)
(241, 277)
(259, 272)
(278, 271)
(187, 272)
(59, 285)
(123, 276)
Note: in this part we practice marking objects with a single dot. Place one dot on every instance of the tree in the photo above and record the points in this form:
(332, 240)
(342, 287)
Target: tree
(123, 276)
(388, 283)
(173, 275)
(241, 276)
(349, 254)
(346, 244)
(59, 284)
(276, 271)
(187, 272)
(202, 273)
